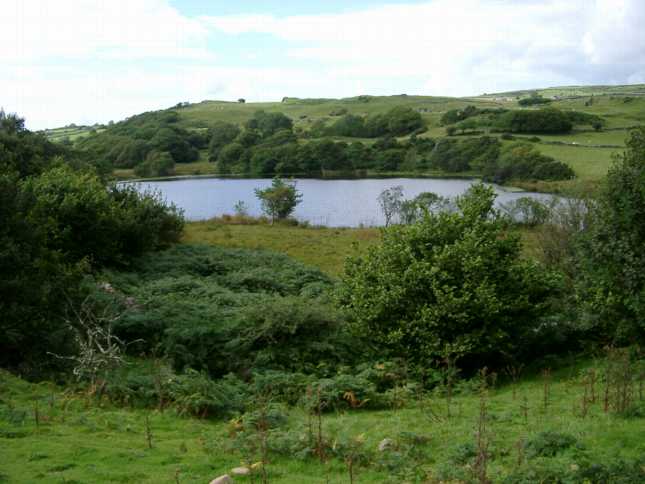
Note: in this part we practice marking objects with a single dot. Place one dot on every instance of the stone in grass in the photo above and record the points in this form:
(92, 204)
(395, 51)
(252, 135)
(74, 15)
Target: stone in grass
(225, 479)
(385, 444)
(240, 471)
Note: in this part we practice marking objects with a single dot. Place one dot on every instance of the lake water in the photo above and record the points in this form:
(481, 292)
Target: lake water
(334, 203)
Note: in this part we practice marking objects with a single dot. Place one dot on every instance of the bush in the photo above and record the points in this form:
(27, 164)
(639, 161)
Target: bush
(289, 333)
(457, 156)
(548, 444)
(452, 284)
(344, 391)
(533, 100)
(538, 121)
(522, 161)
(196, 394)
(227, 310)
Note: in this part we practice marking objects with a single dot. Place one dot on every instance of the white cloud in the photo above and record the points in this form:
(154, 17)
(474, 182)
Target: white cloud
(39, 30)
(94, 60)
(464, 47)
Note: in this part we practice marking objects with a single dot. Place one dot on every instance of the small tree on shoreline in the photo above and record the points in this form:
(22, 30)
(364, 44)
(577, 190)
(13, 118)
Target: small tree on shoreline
(279, 200)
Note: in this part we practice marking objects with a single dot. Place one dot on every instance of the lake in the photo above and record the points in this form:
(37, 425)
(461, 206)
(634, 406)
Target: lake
(334, 203)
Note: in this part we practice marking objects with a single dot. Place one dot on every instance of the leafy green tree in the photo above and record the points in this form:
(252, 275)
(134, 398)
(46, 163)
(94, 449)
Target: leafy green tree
(157, 163)
(349, 125)
(130, 153)
(175, 143)
(279, 200)
(35, 282)
(269, 123)
(412, 211)
(221, 134)
(453, 284)
(402, 120)
(612, 256)
(229, 156)
(25, 152)
(376, 125)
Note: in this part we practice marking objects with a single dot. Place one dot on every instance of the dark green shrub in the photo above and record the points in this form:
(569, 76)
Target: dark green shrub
(290, 333)
(612, 280)
(345, 391)
(454, 282)
(522, 161)
(537, 121)
(548, 444)
(533, 100)
(611, 472)
(456, 156)
(287, 387)
(196, 394)
(552, 170)
(224, 310)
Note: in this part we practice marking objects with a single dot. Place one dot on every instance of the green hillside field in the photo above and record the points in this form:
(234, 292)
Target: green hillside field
(588, 152)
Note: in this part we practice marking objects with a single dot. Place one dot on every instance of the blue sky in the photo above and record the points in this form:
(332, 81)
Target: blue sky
(87, 61)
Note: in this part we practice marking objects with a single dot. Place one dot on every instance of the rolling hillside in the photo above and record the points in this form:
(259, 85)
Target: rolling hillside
(587, 151)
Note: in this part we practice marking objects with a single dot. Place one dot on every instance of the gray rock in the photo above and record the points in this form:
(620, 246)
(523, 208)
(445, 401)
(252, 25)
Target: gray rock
(225, 479)
(240, 471)
(107, 287)
(385, 444)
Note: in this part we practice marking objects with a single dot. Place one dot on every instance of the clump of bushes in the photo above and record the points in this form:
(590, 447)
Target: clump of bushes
(231, 310)
(517, 161)
(61, 223)
(533, 100)
(398, 121)
(522, 161)
(538, 121)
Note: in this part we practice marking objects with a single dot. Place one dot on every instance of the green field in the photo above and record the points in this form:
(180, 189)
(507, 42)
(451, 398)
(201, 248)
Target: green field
(70, 133)
(48, 434)
(325, 248)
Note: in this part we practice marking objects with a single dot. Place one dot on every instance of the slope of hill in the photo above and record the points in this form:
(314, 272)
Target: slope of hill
(589, 152)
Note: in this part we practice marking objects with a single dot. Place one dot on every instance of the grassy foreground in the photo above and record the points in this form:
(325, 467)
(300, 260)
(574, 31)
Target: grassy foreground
(51, 435)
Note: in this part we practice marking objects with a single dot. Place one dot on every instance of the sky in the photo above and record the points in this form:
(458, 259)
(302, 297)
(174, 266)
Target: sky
(88, 61)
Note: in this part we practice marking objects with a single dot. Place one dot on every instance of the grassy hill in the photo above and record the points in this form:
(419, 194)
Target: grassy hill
(588, 152)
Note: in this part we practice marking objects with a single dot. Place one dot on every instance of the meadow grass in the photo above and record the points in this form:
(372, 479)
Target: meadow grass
(589, 164)
(324, 247)
(76, 438)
